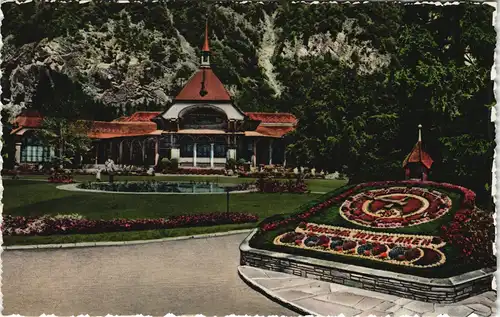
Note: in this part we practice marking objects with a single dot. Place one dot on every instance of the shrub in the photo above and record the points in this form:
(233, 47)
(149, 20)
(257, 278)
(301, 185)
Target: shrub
(473, 233)
(174, 165)
(268, 185)
(231, 164)
(164, 164)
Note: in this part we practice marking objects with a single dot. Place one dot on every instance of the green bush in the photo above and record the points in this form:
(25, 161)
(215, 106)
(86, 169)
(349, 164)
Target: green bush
(164, 164)
(174, 165)
(231, 164)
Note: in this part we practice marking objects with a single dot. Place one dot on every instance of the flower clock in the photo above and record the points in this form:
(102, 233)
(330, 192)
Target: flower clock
(395, 207)
(399, 249)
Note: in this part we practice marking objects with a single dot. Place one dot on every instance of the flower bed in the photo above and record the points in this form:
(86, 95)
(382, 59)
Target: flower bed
(199, 171)
(28, 226)
(289, 175)
(408, 250)
(395, 207)
(60, 179)
(336, 197)
(457, 239)
(473, 233)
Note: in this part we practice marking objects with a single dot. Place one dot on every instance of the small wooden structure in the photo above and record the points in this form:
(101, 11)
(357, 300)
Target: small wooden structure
(418, 163)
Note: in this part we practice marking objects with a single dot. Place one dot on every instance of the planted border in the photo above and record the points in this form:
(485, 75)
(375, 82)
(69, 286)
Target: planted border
(45, 225)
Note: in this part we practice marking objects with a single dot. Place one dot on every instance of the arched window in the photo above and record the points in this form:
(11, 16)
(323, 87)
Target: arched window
(33, 151)
(203, 117)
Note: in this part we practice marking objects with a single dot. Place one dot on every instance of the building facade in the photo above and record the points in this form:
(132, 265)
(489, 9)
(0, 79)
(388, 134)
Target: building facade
(202, 128)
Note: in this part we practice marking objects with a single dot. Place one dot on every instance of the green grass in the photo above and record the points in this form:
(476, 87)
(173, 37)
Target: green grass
(331, 216)
(36, 198)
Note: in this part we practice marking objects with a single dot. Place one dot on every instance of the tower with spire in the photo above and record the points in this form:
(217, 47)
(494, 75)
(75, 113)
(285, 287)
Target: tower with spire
(205, 51)
(418, 163)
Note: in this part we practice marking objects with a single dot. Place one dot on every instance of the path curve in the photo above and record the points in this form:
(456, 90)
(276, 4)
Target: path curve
(180, 277)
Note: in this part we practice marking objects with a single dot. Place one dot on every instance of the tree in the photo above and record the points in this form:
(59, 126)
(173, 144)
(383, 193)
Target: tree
(67, 138)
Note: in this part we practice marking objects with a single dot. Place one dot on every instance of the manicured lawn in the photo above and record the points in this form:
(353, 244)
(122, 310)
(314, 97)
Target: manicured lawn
(36, 198)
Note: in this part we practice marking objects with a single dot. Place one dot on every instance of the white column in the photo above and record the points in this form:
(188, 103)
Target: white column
(157, 155)
(284, 157)
(270, 151)
(96, 153)
(143, 151)
(18, 152)
(254, 148)
(120, 154)
(194, 154)
(211, 155)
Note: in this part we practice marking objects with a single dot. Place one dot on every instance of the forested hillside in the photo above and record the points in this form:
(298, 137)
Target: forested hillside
(359, 77)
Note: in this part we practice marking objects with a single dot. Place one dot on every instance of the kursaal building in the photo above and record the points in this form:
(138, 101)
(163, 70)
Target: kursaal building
(202, 128)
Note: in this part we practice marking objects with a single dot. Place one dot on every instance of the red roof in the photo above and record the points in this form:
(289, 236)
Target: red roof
(28, 119)
(105, 130)
(275, 132)
(213, 86)
(140, 116)
(418, 155)
(269, 117)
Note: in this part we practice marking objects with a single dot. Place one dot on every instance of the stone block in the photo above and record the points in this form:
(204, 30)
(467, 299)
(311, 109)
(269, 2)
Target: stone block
(480, 308)
(353, 283)
(403, 312)
(281, 283)
(455, 311)
(326, 309)
(342, 298)
(312, 276)
(369, 303)
(419, 307)
(340, 274)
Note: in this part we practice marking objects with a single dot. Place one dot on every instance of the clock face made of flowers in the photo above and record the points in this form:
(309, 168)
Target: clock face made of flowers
(395, 207)
(416, 251)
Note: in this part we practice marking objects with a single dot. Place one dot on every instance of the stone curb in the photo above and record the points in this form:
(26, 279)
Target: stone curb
(275, 297)
(121, 243)
(73, 188)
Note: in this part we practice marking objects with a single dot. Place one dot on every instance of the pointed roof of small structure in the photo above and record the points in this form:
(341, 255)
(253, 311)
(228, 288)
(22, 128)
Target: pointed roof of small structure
(417, 154)
(213, 87)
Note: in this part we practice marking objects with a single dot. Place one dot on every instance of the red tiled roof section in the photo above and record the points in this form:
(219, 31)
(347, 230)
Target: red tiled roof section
(102, 129)
(28, 119)
(275, 132)
(418, 155)
(140, 116)
(214, 87)
(269, 117)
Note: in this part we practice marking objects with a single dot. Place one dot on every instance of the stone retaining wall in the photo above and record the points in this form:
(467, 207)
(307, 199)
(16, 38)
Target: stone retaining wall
(438, 290)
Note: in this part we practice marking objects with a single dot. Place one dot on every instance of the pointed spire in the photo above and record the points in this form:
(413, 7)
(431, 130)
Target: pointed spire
(205, 44)
(419, 133)
(205, 51)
